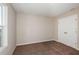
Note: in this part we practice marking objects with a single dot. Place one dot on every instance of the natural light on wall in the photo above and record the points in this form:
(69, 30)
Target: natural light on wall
(3, 25)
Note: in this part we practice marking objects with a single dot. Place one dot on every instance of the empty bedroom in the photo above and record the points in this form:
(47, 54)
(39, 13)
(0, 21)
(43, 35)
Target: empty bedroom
(39, 28)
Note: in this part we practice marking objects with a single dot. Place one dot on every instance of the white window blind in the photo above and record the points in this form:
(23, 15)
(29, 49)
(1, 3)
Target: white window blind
(0, 25)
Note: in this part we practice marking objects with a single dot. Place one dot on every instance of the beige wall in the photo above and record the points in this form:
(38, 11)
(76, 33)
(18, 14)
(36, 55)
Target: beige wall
(33, 29)
(11, 40)
(55, 28)
(74, 11)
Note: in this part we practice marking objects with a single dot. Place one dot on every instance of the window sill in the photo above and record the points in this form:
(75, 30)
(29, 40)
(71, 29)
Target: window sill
(2, 48)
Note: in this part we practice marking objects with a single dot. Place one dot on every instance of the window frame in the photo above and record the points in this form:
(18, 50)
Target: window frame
(4, 13)
(1, 25)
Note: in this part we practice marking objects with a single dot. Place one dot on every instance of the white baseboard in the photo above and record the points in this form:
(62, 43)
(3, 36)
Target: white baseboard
(13, 51)
(10, 52)
(33, 42)
(44, 41)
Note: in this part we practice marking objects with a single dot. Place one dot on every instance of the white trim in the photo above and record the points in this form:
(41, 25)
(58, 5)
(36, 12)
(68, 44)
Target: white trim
(34, 42)
(12, 51)
(44, 41)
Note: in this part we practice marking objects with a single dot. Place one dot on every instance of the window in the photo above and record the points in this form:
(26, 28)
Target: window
(3, 25)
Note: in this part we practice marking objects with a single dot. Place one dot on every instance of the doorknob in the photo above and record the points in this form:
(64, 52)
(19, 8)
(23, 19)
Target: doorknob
(65, 32)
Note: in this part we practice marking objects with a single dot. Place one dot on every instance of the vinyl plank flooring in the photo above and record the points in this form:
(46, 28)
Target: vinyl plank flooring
(45, 48)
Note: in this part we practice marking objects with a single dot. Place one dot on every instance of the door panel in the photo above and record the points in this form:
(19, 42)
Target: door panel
(67, 28)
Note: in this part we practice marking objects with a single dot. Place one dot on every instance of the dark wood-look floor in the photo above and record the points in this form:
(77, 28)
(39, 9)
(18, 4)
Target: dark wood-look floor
(45, 48)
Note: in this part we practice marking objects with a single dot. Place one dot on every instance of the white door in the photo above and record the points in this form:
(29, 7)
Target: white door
(67, 30)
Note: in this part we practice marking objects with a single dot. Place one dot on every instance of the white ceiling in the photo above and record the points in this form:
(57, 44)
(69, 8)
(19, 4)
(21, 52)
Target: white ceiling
(44, 9)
